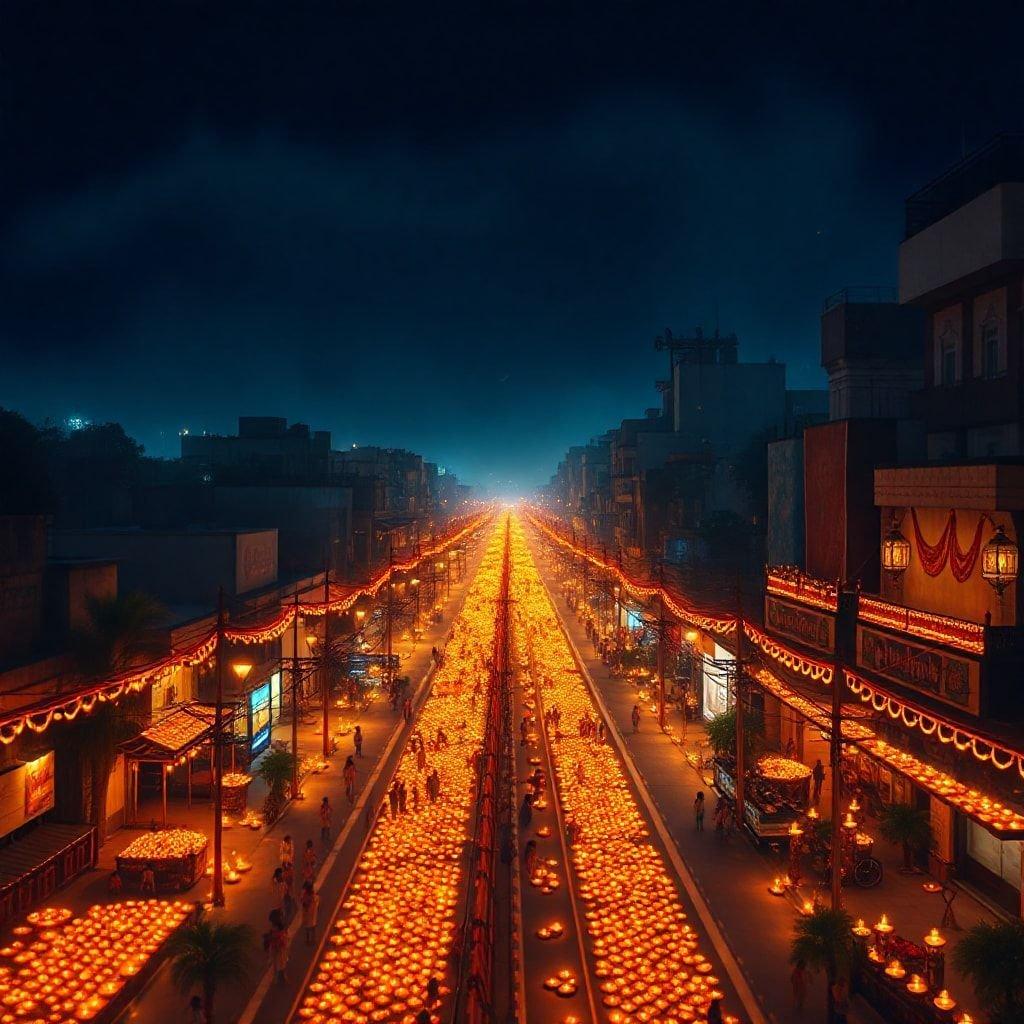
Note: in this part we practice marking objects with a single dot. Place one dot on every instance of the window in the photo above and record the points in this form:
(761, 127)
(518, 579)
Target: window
(990, 334)
(949, 344)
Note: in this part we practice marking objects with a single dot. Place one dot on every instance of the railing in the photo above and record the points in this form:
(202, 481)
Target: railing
(789, 581)
(942, 629)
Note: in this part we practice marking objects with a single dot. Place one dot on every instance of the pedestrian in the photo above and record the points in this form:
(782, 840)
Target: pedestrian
(310, 909)
(393, 799)
(841, 1000)
(636, 717)
(436, 783)
(348, 773)
(798, 981)
(278, 889)
(524, 730)
(147, 883)
(286, 850)
(357, 739)
(196, 1013)
(402, 797)
(526, 812)
(818, 774)
(279, 953)
(114, 883)
(720, 812)
(407, 709)
(308, 862)
(715, 1011)
(433, 991)
(698, 810)
(790, 747)
(325, 820)
(442, 739)
(573, 832)
(530, 857)
(421, 755)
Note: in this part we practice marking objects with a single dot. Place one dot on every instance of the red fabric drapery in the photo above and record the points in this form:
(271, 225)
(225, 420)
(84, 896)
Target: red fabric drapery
(934, 556)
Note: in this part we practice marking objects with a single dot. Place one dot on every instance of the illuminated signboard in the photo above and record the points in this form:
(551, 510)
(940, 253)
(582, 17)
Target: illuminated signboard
(259, 715)
(795, 622)
(39, 792)
(275, 695)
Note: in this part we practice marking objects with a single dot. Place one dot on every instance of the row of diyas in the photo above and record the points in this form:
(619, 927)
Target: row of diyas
(66, 970)
(169, 844)
(398, 920)
(647, 958)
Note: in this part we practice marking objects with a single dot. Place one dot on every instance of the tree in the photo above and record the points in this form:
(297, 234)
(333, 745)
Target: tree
(721, 732)
(117, 635)
(992, 956)
(25, 487)
(207, 955)
(276, 772)
(824, 941)
(908, 826)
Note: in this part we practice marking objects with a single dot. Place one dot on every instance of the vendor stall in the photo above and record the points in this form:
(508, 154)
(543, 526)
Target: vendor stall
(177, 857)
(775, 795)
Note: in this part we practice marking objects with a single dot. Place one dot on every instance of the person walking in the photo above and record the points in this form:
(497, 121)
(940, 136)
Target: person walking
(286, 850)
(393, 799)
(526, 811)
(402, 797)
(636, 717)
(279, 952)
(325, 820)
(357, 740)
(308, 862)
(818, 775)
(147, 883)
(196, 1013)
(798, 982)
(421, 755)
(349, 775)
(310, 909)
(278, 890)
(698, 810)
(530, 857)
(435, 781)
(715, 1011)
(407, 709)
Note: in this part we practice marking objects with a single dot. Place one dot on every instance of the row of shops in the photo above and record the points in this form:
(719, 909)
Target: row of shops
(940, 664)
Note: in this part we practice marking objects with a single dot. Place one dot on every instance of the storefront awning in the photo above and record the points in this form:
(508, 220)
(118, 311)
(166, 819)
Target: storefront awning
(184, 727)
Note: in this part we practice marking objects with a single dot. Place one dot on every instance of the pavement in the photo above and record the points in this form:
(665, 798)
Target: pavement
(732, 874)
(249, 901)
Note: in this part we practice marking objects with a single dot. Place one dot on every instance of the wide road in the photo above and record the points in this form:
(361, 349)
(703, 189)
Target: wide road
(652, 949)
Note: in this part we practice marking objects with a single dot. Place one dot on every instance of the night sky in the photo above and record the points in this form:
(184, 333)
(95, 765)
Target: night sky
(450, 230)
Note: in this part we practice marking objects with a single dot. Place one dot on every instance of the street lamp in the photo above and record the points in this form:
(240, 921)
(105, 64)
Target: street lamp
(415, 585)
(999, 561)
(241, 670)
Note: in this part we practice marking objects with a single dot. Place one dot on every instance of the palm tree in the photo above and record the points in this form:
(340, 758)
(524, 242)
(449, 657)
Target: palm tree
(992, 956)
(721, 732)
(824, 941)
(206, 955)
(908, 826)
(118, 634)
(276, 772)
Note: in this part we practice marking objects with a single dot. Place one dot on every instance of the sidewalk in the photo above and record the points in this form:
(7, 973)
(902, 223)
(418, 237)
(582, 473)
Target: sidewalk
(733, 875)
(249, 900)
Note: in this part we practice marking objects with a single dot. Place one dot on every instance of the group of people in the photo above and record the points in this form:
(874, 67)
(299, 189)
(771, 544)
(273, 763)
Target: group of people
(723, 814)
(283, 905)
(591, 728)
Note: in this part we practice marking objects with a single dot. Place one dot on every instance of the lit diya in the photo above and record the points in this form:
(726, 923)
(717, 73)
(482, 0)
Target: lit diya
(917, 985)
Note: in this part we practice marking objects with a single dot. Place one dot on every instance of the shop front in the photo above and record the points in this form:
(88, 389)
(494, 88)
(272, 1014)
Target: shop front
(719, 669)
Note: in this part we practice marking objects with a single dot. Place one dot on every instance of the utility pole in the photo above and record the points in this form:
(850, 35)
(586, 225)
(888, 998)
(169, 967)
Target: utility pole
(835, 761)
(741, 753)
(389, 676)
(218, 757)
(661, 661)
(296, 679)
(325, 688)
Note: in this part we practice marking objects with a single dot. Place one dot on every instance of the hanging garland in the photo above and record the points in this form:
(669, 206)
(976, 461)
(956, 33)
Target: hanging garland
(933, 557)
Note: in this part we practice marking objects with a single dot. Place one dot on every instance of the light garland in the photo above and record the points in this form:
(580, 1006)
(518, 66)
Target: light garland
(959, 633)
(790, 582)
(38, 717)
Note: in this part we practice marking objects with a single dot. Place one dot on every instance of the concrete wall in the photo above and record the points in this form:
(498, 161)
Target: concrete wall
(785, 533)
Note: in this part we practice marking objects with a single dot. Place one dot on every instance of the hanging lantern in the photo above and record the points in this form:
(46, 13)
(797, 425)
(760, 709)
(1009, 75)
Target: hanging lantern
(895, 552)
(999, 561)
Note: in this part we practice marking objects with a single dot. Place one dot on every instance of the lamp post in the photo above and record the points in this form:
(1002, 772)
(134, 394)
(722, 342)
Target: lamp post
(218, 790)
(325, 683)
(415, 585)
(296, 679)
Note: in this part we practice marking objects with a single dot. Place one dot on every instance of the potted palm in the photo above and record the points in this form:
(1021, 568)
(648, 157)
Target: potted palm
(991, 955)
(276, 772)
(909, 827)
(207, 955)
(824, 941)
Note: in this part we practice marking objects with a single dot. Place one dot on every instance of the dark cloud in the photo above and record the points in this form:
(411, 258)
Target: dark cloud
(452, 232)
